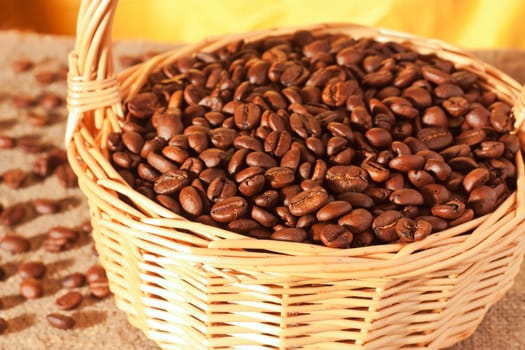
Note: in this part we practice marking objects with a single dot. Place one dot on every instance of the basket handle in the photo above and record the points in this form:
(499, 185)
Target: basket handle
(92, 83)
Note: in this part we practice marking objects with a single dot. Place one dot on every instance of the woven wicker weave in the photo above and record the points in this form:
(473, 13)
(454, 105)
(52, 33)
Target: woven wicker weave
(192, 286)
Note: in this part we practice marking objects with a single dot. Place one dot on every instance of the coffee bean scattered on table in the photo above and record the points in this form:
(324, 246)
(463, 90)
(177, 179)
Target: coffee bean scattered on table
(273, 132)
(60, 321)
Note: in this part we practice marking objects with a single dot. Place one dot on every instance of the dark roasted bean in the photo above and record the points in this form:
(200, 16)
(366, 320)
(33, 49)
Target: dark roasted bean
(333, 210)
(306, 202)
(482, 200)
(357, 221)
(14, 243)
(171, 182)
(450, 210)
(290, 234)
(60, 321)
(384, 225)
(34, 269)
(190, 200)
(409, 230)
(31, 288)
(229, 209)
(349, 178)
(336, 236)
(73, 280)
(69, 300)
(406, 196)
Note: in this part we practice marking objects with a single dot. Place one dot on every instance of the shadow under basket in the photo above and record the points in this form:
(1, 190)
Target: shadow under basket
(187, 285)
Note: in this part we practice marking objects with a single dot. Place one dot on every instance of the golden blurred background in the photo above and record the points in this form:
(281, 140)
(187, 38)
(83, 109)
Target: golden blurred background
(472, 24)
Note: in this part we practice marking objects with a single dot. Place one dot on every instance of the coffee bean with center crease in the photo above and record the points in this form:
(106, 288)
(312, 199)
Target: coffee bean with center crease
(229, 209)
(171, 182)
(336, 236)
(279, 177)
(384, 225)
(346, 178)
(306, 202)
(247, 116)
(409, 230)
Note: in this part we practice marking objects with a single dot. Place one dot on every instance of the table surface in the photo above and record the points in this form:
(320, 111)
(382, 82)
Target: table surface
(99, 324)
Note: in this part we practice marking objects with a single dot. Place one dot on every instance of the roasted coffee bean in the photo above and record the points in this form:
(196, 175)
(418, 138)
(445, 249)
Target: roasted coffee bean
(435, 138)
(54, 245)
(482, 200)
(61, 232)
(395, 182)
(260, 159)
(438, 168)
(436, 117)
(60, 321)
(434, 194)
(34, 269)
(450, 210)
(406, 163)
(435, 75)
(190, 200)
(341, 178)
(438, 224)
(31, 288)
(14, 243)
(263, 217)
(221, 187)
(468, 215)
(336, 236)
(490, 149)
(475, 178)
(267, 199)
(463, 164)
(409, 230)
(143, 104)
(243, 225)
(45, 206)
(229, 209)
(378, 137)
(14, 178)
(306, 202)
(7, 142)
(171, 182)
(290, 234)
(13, 214)
(333, 210)
(406, 196)
(384, 225)
(73, 280)
(147, 172)
(420, 178)
(69, 300)
(279, 177)
(357, 221)
(376, 171)
(247, 116)
(252, 186)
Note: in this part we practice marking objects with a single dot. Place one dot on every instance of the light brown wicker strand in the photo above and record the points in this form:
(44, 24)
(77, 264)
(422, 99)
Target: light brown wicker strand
(425, 295)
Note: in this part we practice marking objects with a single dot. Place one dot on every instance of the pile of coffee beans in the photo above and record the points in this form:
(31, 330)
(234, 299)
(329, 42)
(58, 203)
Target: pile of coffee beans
(322, 139)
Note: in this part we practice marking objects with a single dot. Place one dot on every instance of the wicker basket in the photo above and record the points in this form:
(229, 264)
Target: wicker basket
(192, 286)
